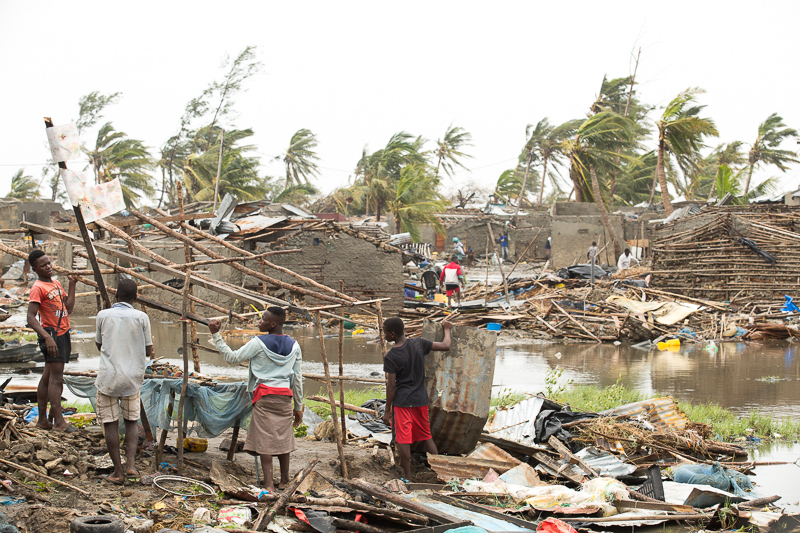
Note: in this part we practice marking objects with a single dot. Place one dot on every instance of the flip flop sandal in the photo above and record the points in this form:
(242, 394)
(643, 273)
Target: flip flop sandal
(113, 481)
(70, 429)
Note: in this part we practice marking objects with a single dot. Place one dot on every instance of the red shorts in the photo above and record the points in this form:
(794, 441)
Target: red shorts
(411, 424)
(452, 288)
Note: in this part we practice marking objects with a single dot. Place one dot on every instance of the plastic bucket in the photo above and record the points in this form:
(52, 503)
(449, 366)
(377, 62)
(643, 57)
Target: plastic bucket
(493, 326)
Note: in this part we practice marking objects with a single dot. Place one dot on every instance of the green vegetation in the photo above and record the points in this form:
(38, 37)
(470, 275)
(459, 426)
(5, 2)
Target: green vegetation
(351, 396)
(80, 406)
(507, 398)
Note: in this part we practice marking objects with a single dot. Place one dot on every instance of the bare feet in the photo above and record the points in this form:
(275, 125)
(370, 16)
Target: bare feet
(46, 425)
(270, 488)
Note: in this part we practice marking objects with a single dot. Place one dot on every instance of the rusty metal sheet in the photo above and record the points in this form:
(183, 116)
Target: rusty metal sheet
(254, 224)
(459, 386)
(661, 412)
(448, 468)
(492, 452)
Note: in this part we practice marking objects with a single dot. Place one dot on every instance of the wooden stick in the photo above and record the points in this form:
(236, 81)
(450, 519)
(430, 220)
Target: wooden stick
(575, 321)
(341, 364)
(405, 503)
(39, 474)
(348, 406)
(185, 384)
(234, 441)
(499, 261)
(381, 338)
(319, 377)
(526, 251)
(264, 519)
(258, 275)
(187, 253)
(486, 286)
(235, 259)
(351, 525)
(332, 401)
(666, 517)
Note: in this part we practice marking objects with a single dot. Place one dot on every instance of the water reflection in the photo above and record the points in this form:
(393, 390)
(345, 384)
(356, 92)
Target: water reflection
(738, 376)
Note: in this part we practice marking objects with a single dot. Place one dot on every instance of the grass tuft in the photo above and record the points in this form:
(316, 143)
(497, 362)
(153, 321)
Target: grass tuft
(351, 396)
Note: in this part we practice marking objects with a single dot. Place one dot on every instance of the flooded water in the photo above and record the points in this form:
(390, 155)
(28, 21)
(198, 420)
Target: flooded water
(738, 376)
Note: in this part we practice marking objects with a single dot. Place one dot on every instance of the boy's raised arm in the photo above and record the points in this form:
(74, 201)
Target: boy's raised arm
(445, 344)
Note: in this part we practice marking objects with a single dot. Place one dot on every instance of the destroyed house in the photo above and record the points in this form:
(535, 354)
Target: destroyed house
(730, 252)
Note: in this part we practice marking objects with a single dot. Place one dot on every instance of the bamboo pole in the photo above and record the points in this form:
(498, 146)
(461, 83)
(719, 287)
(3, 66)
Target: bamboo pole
(187, 253)
(381, 337)
(235, 259)
(341, 364)
(523, 253)
(499, 261)
(44, 476)
(87, 243)
(139, 276)
(286, 271)
(329, 386)
(185, 384)
(486, 286)
(264, 519)
(214, 255)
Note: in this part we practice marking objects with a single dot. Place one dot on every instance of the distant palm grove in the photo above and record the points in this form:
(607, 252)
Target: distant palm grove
(621, 152)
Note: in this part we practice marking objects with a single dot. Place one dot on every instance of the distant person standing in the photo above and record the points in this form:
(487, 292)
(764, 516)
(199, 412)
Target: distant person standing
(452, 279)
(504, 245)
(624, 262)
(592, 253)
(125, 342)
(406, 392)
(53, 305)
(547, 249)
(470, 257)
(458, 248)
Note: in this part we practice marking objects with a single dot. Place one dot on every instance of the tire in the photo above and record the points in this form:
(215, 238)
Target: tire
(97, 524)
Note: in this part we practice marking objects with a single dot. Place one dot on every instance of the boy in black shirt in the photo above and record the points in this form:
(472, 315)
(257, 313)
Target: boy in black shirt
(406, 394)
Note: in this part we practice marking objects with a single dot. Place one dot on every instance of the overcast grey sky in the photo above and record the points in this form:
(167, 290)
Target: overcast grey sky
(357, 72)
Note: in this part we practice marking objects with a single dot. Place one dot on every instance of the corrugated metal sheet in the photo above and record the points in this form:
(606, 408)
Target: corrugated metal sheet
(255, 223)
(459, 386)
(448, 468)
(297, 211)
(603, 462)
(660, 412)
(516, 423)
(491, 452)
(489, 523)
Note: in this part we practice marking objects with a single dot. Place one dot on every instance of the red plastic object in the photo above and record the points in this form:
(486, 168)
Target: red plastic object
(554, 525)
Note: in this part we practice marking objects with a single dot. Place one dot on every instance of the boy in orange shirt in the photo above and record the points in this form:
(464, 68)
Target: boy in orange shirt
(53, 305)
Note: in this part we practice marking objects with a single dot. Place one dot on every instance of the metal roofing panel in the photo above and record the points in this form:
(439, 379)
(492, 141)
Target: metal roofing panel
(492, 452)
(661, 412)
(489, 523)
(255, 223)
(448, 468)
(605, 463)
(297, 211)
(516, 423)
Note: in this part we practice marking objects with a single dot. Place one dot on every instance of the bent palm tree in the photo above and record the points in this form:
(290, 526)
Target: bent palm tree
(416, 201)
(23, 187)
(115, 155)
(450, 149)
(596, 147)
(771, 133)
(300, 158)
(680, 134)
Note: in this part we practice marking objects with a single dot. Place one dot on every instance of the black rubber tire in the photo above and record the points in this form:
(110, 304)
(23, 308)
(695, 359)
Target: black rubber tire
(97, 524)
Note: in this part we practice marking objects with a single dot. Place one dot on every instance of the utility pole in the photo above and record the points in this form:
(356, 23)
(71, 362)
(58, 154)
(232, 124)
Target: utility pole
(219, 169)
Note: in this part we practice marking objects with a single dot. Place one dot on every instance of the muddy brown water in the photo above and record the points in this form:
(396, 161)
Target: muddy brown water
(739, 376)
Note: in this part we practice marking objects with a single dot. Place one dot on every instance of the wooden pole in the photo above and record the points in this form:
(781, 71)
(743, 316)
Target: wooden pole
(214, 255)
(219, 171)
(264, 519)
(187, 253)
(39, 474)
(162, 439)
(381, 338)
(329, 386)
(185, 384)
(341, 364)
(499, 261)
(486, 286)
(87, 242)
(526, 251)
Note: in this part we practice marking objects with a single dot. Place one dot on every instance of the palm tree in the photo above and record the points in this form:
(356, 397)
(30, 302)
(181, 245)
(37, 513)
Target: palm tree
(680, 134)
(299, 195)
(416, 201)
(771, 133)
(597, 145)
(23, 187)
(238, 172)
(115, 155)
(300, 158)
(509, 184)
(378, 173)
(729, 182)
(450, 149)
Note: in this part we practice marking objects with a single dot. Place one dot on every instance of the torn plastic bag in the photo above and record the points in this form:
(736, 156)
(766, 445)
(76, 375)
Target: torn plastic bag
(789, 306)
(372, 423)
(714, 475)
(769, 258)
(549, 423)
